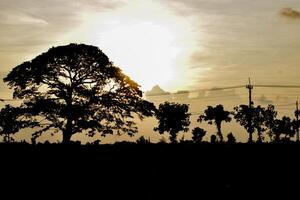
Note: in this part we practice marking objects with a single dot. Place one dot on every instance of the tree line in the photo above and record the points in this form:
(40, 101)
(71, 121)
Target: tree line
(76, 88)
(174, 117)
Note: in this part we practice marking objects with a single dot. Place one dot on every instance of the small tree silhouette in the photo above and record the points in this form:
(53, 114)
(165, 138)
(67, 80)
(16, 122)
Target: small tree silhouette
(172, 118)
(76, 88)
(284, 127)
(270, 117)
(198, 134)
(142, 140)
(231, 139)
(244, 115)
(216, 115)
(213, 139)
(257, 119)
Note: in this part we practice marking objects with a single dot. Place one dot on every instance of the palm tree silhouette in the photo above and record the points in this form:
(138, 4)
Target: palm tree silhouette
(217, 115)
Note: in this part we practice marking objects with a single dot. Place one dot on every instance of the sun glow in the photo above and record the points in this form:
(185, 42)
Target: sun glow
(144, 51)
(148, 43)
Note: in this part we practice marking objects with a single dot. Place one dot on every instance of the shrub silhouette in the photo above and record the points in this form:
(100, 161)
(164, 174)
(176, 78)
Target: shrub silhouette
(213, 139)
(76, 88)
(143, 140)
(198, 134)
(172, 118)
(231, 139)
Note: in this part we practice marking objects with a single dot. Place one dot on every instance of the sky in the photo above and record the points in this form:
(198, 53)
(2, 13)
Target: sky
(176, 44)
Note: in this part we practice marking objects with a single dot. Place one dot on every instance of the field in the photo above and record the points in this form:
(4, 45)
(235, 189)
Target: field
(152, 171)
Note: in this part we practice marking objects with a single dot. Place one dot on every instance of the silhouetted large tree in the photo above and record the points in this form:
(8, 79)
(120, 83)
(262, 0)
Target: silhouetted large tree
(172, 118)
(76, 88)
(216, 115)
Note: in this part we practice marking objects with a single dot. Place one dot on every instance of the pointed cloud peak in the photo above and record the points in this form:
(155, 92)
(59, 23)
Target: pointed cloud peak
(156, 90)
(290, 13)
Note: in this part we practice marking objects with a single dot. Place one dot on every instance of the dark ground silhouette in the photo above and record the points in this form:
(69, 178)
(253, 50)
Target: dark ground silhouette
(152, 171)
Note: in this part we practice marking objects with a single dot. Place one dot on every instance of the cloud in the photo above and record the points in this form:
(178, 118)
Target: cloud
(156, 91)
(264, 100)
(9, 18)
(290, 13)
(33, 22)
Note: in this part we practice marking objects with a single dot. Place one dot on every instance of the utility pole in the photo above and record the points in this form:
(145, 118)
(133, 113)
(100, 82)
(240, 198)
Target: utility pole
(250, 88)
(297, 121)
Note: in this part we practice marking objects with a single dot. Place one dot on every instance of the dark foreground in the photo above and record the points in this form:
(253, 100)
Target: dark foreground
(155, 171)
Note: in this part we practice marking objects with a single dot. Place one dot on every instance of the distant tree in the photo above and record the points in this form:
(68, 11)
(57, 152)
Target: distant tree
(198, 134)
(259, 121)
(216, 115)
(296, 123)
(11, 121)
(270, 115)
(244, 115)
(284, 127)
(142, 140)
(96, 142)
(213, 139)
(231, 139)
(76, 88)
(253, 119)
(172, 118)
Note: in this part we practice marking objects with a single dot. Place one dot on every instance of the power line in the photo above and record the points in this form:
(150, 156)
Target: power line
(278, 86)
(284, 105)
(207, 89)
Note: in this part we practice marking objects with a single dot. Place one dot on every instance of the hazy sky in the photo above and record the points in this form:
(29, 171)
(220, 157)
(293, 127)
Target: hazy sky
(178, 44)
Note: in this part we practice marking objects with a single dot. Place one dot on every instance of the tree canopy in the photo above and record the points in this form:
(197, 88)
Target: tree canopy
(257, 119)
(284, 126)
(76, 88)
(172, 118)
(12, 120)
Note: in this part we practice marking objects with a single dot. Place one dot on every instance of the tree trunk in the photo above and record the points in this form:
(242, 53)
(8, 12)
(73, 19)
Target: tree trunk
(68, 132)
(250, 138)
(66, 137)
(173, 137)
(259, 138)
(219, 133)
(277, 137)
